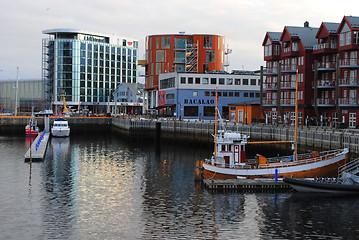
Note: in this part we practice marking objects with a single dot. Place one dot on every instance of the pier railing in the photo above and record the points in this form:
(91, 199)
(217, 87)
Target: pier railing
(318, 137)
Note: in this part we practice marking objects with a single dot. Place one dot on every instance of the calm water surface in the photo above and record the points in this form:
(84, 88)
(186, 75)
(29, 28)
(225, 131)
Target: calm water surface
(108, 187)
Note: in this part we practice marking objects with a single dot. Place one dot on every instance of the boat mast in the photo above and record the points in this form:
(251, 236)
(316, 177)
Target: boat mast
(296, 119)
(215, 124)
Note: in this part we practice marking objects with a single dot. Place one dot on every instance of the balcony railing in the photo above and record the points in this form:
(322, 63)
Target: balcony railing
(349, 62)
(271, 85)
(289, 67)
(289, 49)
(325, 46)
(271, 71)
(325, 101)
(349, 101)
(285, 101)
(270, 102)
(326, 65)
(290, 84)
(325, 83)
(349, 81)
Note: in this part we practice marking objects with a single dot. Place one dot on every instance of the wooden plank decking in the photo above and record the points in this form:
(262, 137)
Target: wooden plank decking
(38, 148)
(252, 185)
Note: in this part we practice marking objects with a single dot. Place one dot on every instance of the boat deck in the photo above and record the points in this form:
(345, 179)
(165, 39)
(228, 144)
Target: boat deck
(247, 185)
(38, 148)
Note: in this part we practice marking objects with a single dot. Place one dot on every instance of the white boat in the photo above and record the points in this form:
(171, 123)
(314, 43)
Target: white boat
(229, 159)
(60, 128)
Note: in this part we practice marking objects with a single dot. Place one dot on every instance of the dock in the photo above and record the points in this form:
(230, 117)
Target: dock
(38, 148)
(247, 185)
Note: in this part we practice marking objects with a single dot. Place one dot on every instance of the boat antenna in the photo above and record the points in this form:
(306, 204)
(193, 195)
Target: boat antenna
(215, 124)
(296, 119)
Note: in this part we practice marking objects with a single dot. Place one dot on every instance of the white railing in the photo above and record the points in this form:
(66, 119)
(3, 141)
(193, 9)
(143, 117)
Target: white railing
(349, 167)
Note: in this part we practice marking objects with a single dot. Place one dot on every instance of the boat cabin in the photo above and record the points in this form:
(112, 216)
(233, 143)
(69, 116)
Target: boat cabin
(230, 149)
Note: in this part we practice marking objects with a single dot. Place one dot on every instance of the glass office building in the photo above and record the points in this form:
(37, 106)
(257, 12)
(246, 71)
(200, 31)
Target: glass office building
(85, 68)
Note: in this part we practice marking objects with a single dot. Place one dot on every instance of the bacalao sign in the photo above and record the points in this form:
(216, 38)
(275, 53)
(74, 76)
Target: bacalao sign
(198, 101)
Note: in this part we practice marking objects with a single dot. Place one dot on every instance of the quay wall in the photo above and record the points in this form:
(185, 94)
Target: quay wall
(200, 131)
(313, 137)
(77, 124)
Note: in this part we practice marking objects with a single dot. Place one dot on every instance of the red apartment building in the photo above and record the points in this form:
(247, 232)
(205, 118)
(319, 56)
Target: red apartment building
(285, 55)
(327, 62)
(195, 53)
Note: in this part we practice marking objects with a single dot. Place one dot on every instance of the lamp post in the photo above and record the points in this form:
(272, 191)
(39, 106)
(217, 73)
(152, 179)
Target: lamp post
(16, 90)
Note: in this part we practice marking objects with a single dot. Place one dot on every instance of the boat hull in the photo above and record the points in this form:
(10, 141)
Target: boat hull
(31, 133)
(302, 185)
(60, 132)
(324, 168)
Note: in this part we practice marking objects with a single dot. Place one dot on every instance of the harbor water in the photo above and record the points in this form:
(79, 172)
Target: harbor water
(108, 186)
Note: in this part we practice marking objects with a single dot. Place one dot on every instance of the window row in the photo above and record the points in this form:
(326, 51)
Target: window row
(220, 81)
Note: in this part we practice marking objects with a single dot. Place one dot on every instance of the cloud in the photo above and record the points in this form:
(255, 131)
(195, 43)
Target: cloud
(244, 23)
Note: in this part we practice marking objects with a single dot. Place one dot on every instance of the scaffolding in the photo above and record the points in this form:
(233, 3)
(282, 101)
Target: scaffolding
(48, 70)
(191, 61)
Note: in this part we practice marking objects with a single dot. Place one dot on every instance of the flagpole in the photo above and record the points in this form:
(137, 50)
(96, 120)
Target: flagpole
(215, 124)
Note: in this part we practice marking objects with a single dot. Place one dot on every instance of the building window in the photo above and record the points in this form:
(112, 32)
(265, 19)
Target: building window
(245, 81)
(229, 81)
(236, 94)
(190, 111)
(221, 81)
(214, 81)
(190, 80)
(205, 67)
(166, 42)
(198, 80)
(251, 95)
(183, 80)
(237, 81)
(210, 56)
(356, 37)
(245, 94)
(195, 93)
(170, 96)
(206, 94)
(205, 81)
(208, 111)
(225, 94)
(253, 82)
(230, 94)
(207, 42)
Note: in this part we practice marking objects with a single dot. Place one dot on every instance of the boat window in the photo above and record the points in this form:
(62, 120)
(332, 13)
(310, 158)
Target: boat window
(223, 148)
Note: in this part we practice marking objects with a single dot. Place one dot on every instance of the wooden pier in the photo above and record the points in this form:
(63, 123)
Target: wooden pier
(38, 148)
(247, 185)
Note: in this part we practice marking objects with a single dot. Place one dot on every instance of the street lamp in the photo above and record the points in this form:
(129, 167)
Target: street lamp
(16, 90)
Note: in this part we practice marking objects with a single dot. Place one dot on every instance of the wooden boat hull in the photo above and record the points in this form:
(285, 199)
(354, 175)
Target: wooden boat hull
(302, 185)
(323, 168)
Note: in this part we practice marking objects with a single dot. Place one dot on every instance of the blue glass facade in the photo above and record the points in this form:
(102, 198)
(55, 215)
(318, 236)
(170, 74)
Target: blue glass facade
(87, 68)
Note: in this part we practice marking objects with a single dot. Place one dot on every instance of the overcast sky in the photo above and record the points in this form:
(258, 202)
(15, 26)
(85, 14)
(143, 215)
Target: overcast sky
(244, 23)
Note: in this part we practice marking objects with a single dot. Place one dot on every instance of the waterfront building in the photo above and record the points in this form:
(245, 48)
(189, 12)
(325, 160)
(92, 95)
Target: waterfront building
(245, 112)
(348, 84)
(280, 85)
(86, 67)
(193, 95)
(30, 94)
(325, 87)
(182, 53)
(129, 98)
(330, 73)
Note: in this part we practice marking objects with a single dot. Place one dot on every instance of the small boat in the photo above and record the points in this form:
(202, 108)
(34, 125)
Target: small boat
(229, 158)
(347, 181)
(322, 185)
(31, 129)
(60, 128)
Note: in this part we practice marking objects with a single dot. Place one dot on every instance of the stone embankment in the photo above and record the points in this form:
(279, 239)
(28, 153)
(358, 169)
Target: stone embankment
(313, 137)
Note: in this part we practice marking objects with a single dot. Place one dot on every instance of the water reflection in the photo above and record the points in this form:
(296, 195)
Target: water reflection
(111, 187)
